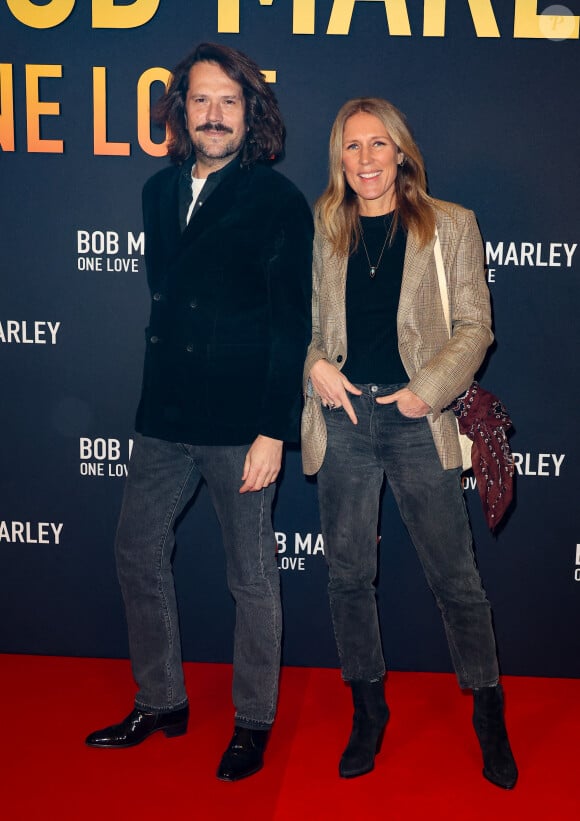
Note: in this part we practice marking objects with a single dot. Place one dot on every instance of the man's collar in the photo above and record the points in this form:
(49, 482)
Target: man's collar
(215, 176)
(227, 169)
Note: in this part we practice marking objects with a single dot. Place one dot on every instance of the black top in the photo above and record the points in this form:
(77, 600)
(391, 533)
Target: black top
(372, 302)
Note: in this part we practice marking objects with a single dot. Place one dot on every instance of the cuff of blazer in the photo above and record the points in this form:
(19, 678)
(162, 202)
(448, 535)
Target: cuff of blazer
(433, 395)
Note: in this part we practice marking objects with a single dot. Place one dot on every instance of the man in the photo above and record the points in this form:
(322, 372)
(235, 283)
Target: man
(228, 253)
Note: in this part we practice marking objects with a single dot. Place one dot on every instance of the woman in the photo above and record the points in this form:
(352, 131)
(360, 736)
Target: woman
(380, 411)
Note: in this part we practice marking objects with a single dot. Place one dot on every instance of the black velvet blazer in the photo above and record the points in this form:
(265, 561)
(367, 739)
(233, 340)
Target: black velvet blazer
(230, 311)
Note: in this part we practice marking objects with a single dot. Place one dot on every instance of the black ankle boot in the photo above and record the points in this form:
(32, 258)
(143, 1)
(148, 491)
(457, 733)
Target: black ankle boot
(499, 766)
(369, 721)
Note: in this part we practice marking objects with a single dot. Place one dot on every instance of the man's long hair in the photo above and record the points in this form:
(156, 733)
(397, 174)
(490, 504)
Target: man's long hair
(337, 209)
(266, 132)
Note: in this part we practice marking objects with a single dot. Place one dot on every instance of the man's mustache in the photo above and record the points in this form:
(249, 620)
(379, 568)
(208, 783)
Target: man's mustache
(214, 127)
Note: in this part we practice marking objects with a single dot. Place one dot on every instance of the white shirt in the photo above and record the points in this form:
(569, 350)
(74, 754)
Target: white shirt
(196, 186)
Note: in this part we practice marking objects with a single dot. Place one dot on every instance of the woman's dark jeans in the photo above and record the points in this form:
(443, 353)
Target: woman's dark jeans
(431, 504)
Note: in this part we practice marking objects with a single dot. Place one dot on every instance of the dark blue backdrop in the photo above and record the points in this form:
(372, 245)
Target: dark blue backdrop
(497, 118)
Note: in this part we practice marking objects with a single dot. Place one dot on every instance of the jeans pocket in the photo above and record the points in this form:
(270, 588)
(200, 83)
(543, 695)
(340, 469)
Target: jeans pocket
(401, 415)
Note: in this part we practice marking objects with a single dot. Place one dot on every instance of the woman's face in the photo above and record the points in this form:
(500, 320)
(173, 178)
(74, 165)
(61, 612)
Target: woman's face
(370, 160)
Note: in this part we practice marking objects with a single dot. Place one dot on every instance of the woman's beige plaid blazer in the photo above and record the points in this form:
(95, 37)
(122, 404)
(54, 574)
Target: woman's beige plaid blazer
(439, 368)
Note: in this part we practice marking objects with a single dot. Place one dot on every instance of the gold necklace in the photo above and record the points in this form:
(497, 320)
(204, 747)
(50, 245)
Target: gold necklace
(372, 268)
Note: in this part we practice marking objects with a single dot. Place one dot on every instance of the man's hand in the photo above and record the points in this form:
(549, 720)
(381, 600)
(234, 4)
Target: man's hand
(408, 403)
(332, 386)
(263, 463)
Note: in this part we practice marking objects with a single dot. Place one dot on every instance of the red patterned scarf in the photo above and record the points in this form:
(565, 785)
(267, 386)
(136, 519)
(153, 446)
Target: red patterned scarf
(483, 418)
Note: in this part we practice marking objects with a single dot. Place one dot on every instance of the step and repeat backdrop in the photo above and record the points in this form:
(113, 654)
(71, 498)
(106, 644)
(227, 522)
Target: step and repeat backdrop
(490, 88)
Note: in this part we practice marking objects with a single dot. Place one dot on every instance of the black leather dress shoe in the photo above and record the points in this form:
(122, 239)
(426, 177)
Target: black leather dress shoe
(138, 726)
(244, 756)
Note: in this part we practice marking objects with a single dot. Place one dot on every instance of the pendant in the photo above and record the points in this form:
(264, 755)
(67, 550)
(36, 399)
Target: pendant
(372, 271)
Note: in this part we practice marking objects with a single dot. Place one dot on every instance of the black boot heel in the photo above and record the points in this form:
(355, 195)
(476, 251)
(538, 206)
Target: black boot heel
(380, 740)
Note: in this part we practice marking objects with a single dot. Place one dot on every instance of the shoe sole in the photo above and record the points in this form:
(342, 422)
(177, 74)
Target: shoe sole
(238, 777)
(356, 773)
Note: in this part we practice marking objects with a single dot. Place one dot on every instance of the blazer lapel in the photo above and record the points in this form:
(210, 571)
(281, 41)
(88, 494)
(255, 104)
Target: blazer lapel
(169, 213)
(417, 260)
(218, 203)
(333, 299)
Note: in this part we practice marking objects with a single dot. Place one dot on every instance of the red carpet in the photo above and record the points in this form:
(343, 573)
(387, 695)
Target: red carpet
(429, 767)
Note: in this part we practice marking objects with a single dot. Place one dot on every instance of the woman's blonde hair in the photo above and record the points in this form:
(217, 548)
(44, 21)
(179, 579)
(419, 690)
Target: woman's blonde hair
(337, 209)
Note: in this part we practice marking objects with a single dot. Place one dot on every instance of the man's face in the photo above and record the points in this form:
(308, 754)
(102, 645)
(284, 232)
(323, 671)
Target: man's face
(214, 115)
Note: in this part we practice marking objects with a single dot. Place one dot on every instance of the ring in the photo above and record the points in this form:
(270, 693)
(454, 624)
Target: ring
(331, 405)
